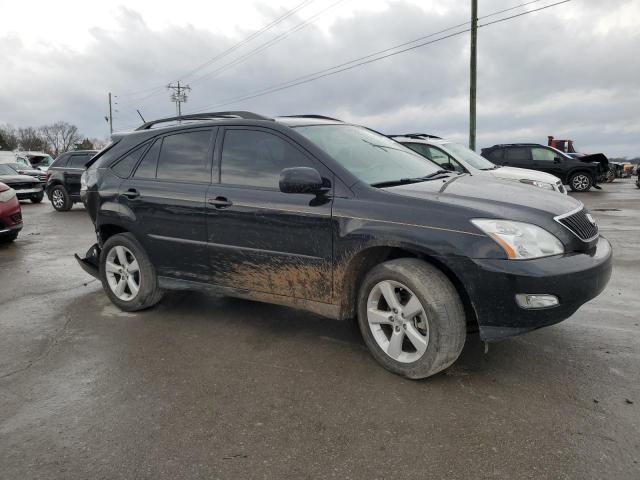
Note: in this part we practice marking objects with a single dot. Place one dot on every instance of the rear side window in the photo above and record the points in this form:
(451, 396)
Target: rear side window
(255, 158)
(78, 160)
(518, 154)
(147, 167)
(123, 167)
(184, 157)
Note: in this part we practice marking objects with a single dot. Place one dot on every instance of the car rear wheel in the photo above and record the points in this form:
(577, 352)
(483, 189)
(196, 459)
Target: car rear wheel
(580, 182)
(127, 275)
(37, 198)
(60, 199)
(411, 318)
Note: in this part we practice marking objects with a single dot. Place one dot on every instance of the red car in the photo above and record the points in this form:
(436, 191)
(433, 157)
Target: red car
(10, 214)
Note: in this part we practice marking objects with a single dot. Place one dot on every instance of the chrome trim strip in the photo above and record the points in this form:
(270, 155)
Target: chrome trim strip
(557, 218)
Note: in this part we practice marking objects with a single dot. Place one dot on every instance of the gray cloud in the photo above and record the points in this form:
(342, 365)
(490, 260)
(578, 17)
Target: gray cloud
(538, 75)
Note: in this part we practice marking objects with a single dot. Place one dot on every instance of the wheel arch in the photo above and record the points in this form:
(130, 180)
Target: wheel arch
(108, 230)
(350, 276)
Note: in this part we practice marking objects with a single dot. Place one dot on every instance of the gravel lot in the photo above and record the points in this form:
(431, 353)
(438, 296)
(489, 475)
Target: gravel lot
(210, 387)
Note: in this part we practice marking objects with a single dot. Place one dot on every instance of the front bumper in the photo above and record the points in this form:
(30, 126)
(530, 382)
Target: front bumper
(492, 285)
(8, 230)
(29, 192)
(91, 261)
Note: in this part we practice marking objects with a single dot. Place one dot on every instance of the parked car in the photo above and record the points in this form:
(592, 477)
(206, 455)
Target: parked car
(455, 157)
(39, 160)
(26, 187)
(579, 174)
(63, 185)
(314, 213)
(10, 214)
(24, 170)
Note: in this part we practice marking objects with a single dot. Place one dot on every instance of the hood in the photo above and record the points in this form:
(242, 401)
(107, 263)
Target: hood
(514, 173)
(9, 179)
(484, 194)
(596, 158)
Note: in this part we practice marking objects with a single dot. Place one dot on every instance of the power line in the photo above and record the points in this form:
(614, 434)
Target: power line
(367, 59)
(154, 91)
(266, 45)
(249, 38)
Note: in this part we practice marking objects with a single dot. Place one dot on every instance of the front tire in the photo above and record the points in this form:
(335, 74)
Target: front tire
(37, 198)
(127, 274)
(60, 199)
(580, 182)
(411, 318)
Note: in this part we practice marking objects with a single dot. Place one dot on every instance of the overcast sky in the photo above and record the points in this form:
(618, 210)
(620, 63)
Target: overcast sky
(571, 71)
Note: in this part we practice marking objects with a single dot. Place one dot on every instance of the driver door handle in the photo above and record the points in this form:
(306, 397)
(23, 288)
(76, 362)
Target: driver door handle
(131, 193)
(220, 202)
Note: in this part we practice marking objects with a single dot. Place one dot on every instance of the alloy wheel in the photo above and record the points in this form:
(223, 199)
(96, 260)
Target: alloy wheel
(123, 273)
(398, 321)
(580, 182)
(57, 198)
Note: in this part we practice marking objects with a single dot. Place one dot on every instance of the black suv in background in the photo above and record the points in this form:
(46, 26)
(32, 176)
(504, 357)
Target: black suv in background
(579, 175)
(317, 214)
(63, 184)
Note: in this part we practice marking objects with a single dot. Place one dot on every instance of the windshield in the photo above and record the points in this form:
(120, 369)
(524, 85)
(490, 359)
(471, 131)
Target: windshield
(561, 153)
(7, 170)
(371, 157)
(460, 152)
(41, 161)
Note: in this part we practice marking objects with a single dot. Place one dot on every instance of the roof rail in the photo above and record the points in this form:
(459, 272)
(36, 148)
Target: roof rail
(417, 135)
(320, 117)
(204, 116)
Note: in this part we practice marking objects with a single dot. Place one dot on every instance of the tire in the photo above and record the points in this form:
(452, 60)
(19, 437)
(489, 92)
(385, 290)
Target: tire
(144, 276)
(60, 199)
(441, 323)
(37, 198)
(8, 238)
(580, 182)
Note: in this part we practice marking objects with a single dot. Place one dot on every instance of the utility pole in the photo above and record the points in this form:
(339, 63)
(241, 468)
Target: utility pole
(110, 116)
(179, 95)
(473, 74)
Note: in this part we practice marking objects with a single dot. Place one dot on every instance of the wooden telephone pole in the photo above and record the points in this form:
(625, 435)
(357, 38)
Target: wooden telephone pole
(473, 72)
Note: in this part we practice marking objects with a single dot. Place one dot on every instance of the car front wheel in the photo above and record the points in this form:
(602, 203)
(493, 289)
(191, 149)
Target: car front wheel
(37, 198)
(580, 182)
(411, 317)
(60, 199)
(127, 274)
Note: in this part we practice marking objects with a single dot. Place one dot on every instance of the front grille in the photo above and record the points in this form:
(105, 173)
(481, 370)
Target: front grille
(580, 225)
(23, 186)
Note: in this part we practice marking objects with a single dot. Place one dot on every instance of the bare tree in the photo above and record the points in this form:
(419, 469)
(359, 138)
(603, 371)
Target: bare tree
(60, 137)
(30, 139)
(8, 137)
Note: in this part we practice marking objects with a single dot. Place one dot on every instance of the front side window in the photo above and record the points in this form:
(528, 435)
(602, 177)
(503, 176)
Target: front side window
(184, 157)
(371, 157)
(256, 158)
(542, 155)
(78, 161)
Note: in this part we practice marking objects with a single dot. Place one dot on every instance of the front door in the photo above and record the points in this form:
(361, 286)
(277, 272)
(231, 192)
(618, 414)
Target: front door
(260, 238)
(166, 194)
(546, 160)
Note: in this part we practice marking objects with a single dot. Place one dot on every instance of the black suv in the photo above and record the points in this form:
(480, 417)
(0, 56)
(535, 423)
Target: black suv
(314, 213)
(63, 185)
(578, 174)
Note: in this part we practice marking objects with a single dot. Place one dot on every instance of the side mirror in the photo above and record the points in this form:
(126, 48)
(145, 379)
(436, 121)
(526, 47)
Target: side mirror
(556, 160)
(300, 180)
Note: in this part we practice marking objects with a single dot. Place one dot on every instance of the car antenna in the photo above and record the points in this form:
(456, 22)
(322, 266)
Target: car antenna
(141, 116)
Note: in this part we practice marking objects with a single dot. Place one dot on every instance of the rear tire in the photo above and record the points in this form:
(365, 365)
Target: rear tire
(127, 274)
(580, 182)
(60, 199)
(431, 340)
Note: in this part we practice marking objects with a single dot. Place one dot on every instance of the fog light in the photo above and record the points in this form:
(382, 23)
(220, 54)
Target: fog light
(525, 300)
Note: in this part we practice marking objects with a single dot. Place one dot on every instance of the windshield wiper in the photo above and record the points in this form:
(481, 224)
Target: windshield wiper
(491, 168)
(406, 181)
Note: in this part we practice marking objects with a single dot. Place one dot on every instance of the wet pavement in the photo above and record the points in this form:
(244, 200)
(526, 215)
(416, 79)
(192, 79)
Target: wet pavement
(210, 387)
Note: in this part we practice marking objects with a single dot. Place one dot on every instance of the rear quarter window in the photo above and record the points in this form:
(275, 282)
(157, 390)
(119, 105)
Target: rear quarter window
(61, 161)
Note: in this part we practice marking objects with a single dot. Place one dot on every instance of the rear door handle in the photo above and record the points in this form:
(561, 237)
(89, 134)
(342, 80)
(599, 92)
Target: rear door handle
(220, 202)
(132, 193)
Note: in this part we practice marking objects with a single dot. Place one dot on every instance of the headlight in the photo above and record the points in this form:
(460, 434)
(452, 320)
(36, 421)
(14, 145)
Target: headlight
(536, 183)
(83, 181)
(7, 195)
(520, 241)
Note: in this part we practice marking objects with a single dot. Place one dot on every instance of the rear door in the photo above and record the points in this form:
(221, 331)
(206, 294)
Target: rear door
(73, 171)
(166, 195)
(260, 238)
